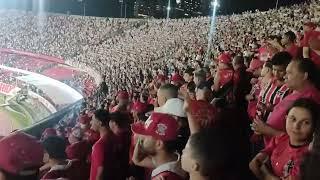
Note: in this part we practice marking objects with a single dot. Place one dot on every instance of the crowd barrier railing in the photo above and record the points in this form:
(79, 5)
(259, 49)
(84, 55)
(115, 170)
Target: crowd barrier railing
(49, 122)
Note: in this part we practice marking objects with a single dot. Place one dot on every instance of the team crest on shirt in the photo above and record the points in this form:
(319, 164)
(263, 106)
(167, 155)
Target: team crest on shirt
(287, 168)
(161, 129)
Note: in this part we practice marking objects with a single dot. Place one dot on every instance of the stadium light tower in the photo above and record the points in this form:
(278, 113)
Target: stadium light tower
(214, 6)
(277, 3)
(168, 9)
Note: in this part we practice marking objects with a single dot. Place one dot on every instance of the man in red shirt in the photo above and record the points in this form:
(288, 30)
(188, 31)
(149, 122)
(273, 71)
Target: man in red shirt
(58, 166)
(123, 102)
(225, 72)
(177, 80)
(288, 43)
(241, 81)
(157, 146)
(103, 151)
(119, 124)
(78, 148)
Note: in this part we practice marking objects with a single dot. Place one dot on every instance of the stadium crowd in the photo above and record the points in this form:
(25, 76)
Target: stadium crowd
(167, 108)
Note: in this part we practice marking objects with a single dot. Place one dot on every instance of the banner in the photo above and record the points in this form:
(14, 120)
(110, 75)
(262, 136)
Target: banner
(6, 88)
(32, 55)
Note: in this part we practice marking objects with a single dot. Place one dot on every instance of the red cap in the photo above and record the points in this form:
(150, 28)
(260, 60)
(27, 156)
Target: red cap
(255, 64)
(140, 107)
(49, 132)
(84, 119)
(160, 126)
(177, 78)
(123, 95)
(224, 58)
(310, 24)
(19, 152)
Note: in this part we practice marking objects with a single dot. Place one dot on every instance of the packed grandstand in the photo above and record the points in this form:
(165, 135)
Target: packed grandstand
(117, 99)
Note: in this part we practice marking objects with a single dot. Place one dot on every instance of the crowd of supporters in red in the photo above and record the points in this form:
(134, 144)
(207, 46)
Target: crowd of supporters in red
(238, 118)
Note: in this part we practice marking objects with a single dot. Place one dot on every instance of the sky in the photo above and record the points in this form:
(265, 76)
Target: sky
(237, 6)
(111, 7)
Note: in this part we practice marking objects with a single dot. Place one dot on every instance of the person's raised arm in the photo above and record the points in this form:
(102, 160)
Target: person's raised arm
(193, 125)
(139, 158)
(305, 52)
(99, 173)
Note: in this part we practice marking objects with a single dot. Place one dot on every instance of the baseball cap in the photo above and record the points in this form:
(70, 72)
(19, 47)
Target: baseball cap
(140, 107)
(173, 106)
(123, 95)
(255, 64)
(160, 126)
(177, 78)
(20, 153)
(224, 58)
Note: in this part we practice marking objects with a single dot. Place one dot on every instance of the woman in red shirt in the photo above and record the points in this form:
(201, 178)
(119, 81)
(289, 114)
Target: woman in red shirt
(282, 157)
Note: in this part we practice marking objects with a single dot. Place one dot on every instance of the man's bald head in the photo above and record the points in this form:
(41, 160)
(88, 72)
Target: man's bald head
(165, 92)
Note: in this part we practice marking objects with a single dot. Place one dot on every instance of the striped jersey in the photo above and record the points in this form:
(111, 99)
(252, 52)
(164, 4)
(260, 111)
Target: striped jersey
(269, 97)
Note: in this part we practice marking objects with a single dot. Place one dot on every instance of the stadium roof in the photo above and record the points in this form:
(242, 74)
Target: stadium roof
(57, 91)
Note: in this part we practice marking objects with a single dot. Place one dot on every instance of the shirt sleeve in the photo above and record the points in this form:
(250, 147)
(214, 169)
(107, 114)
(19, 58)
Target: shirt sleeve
(99, 155)
(305, 40)
(273, 144)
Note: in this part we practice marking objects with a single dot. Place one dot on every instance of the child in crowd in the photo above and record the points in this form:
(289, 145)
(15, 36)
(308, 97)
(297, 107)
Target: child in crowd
(282, 157)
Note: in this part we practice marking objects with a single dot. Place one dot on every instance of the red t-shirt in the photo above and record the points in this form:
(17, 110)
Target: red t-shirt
(72, 171)
(226, 75)
(306, 38)
(315, 58)
(104, 155)
(285, 158)
(203, 113)
(293, 50)
(79, 150)
(123, 141)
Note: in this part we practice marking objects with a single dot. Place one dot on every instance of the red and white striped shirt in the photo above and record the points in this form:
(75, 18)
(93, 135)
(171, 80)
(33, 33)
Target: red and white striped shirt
(269, 97)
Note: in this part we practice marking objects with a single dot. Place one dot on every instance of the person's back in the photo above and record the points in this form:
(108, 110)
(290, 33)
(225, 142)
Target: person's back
(122, 142)
(242, 86)
(104, 146)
